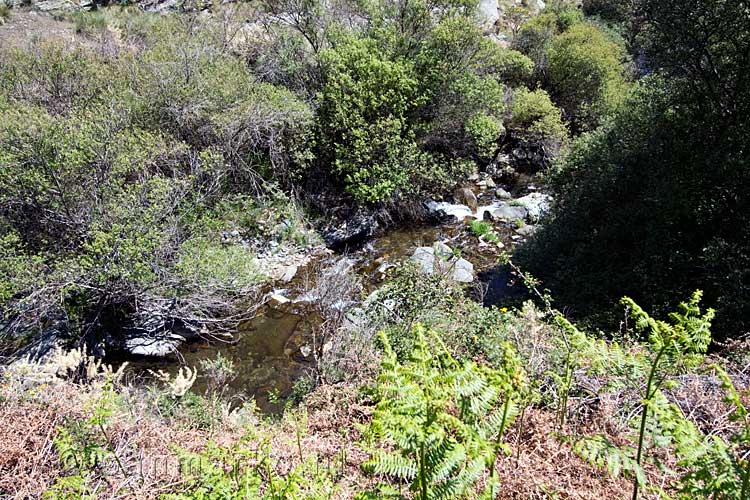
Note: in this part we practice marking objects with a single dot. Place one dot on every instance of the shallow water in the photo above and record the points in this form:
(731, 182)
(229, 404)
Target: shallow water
(267, 351)
(266, 354)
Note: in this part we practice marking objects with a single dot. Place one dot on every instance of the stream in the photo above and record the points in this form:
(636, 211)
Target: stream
(271, 351)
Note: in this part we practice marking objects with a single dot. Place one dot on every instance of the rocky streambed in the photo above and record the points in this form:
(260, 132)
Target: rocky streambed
(274, 349)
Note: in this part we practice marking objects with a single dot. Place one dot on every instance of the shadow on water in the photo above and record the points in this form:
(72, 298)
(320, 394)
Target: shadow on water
(267, 354)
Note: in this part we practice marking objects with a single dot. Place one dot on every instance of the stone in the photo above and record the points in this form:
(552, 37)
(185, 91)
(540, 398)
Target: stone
(288, 274)
(502, 194)
(505, 212)
(488, 10)
(490, 183)
(466, 196)
(440, 258)
(463, 271)
(354, 230)
(527, 230)
(63, 5)
(536, 203)
(148, 345)
(442, 251)
(425, 257)
(449, 210)
(278, 299)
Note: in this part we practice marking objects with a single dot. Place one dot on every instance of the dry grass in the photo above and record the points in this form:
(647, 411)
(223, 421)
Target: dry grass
(542, 466)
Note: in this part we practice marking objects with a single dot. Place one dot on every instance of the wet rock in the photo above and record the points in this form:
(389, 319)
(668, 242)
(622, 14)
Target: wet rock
(353, 231)
(503, 212)
(441, 258)
(466, 196)
(537, 204)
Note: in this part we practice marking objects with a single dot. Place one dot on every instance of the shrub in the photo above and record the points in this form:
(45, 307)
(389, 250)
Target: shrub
(586, 74)
(511, 67)
(533, 114)
(363, 111)
(534, 37)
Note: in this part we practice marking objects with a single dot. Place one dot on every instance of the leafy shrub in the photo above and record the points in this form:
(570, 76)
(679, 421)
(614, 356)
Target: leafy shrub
(586, 74)
(246, 470)
(512, 67)
(533, 114)
(534, 37)
(364, 106)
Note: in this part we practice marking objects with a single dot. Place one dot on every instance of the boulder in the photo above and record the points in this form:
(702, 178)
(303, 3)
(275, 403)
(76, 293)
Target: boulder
(501, 211)
(146, 344)
(442, 251)
(441, 258)
(466, 196)
(63, 5)
(488, 12)
(425, 257)
(463, 271)
(353, 231)
(537, 204)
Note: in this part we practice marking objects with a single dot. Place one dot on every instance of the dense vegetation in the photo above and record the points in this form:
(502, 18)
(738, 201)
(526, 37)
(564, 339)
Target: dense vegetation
(654, 201)
(160, 174)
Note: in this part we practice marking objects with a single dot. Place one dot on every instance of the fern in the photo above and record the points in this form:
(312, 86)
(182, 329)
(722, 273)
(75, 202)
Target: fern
(438, 424)
(718, 469)
(675, 346)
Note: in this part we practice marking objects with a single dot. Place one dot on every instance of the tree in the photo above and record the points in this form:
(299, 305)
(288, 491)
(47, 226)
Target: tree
(656, 200)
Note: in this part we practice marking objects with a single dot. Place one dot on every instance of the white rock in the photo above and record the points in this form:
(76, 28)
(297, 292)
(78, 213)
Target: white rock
(277, 299)
(463, 271)
(460, 212)
(425, 257)
(537, 204)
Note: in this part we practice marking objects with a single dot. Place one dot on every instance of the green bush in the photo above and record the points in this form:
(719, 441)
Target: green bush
(586, 74)
(533, 114)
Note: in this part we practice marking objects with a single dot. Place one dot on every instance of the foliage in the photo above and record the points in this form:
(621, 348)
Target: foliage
(716, 468)
(534, 115)
(219, 372)
(84, 446)
(484, 229)
(245, 470)
(118, 171)
(365, 101)
(439, 423)
(674, 347)
(585, 74)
